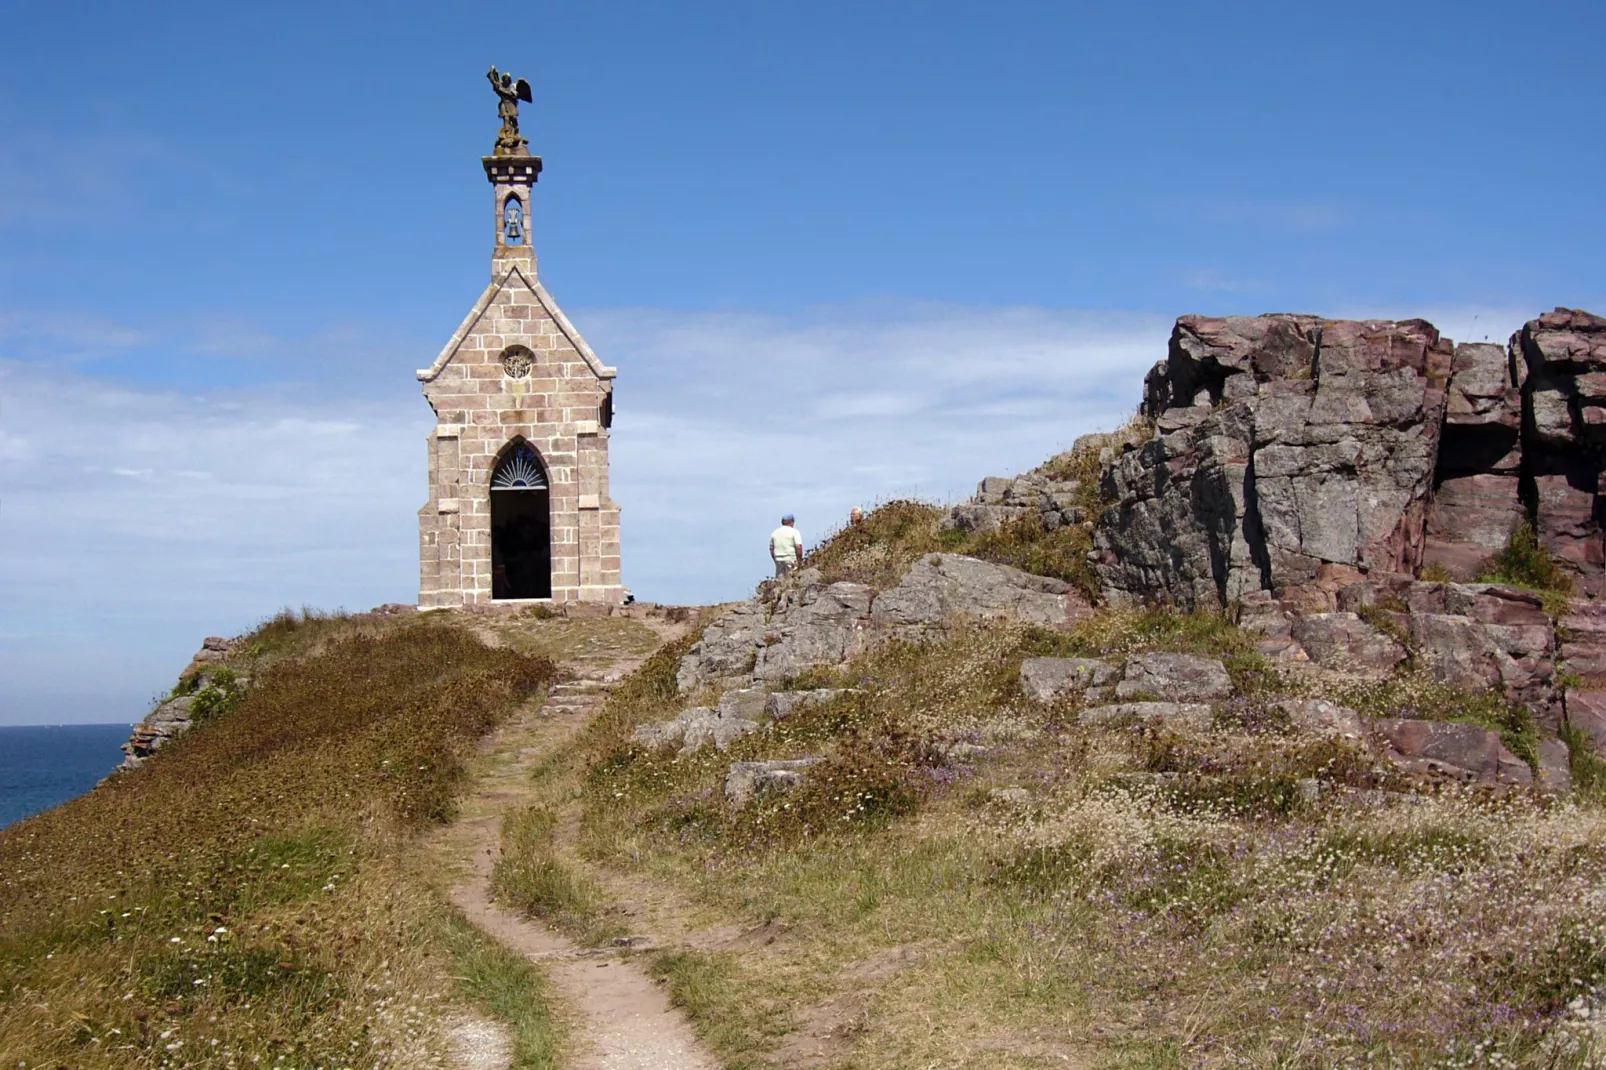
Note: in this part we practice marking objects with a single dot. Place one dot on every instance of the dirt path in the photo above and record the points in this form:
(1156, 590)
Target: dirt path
(623, 1020)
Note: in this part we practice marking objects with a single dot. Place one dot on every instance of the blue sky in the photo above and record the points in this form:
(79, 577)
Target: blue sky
(839, 252)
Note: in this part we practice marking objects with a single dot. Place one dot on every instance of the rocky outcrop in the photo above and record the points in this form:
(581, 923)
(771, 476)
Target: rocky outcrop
(1321, 718)
(694, 729)
(806, 622)
(941, 587)
(1561, 357)
(1174, 677)
(1286, 448)
(1457, 751)
(1051, 679)
(205, 685)
(746, 781)
(1195, 715)
(1282, 444)
(783, 704)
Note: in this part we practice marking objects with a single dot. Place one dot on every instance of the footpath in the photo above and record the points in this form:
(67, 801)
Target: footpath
(618, 1017)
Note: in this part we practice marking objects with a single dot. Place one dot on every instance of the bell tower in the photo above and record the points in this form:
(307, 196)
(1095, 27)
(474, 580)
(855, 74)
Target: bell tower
(518, 508)
(513, 178)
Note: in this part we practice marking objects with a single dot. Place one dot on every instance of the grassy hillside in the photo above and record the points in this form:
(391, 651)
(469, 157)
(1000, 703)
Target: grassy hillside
(972, 880)
(248, 897)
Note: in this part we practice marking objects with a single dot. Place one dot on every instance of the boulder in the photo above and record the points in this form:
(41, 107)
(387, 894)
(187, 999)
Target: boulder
(1489, 635)
(1444, 748)
(941, 587)
(1322, 718)
(1582, 635)
(782, 704)
(1049, 679)
(214, 648)
(1188, 714)
(693, 730)
(814, 625)
(659, 734)
(803, 622)
(1586, 714)
(1344, 640)
(1555, 766)
(1174, 677)
(747, 780)
(748, 703)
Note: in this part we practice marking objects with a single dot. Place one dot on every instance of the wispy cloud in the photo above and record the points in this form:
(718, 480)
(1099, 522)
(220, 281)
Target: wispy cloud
(727, 420)
(136, 520)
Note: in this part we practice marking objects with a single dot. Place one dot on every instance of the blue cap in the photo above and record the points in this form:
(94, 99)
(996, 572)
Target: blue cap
(787, 517)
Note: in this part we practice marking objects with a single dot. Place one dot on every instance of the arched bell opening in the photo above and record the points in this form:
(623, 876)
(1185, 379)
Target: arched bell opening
(513, 220)
(521, 525)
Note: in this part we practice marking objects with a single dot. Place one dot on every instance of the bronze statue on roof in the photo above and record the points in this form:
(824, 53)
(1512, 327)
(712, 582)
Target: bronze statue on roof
(509, 92)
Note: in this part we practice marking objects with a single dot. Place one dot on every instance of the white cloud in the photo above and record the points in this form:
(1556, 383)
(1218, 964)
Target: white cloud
(728, 420)
(135, 521)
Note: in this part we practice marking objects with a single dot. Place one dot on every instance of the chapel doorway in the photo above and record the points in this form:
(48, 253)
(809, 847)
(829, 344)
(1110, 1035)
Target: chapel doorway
(521, 526)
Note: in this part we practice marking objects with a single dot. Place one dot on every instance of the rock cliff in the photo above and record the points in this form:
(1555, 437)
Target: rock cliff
(1287, 451)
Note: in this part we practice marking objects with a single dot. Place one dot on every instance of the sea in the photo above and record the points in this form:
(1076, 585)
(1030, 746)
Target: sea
(45, 765)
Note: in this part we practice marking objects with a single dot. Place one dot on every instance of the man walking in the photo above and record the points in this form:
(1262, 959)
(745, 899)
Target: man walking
(786, 546)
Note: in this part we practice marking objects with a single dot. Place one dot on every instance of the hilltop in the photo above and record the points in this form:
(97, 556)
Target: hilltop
(1262, 730)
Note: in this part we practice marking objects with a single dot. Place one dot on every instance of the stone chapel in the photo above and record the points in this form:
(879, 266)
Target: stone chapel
(518, 504)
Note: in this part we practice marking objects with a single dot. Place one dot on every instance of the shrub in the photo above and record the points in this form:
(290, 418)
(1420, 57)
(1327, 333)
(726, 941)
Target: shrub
(1525, 563)
(1029, 546)
(880, 548)
(218, 697)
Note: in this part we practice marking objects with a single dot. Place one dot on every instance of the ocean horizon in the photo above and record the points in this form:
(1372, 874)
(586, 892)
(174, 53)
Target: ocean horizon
(42, 766)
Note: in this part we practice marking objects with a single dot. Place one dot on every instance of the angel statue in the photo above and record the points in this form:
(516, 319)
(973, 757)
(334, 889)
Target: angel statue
(508, 142)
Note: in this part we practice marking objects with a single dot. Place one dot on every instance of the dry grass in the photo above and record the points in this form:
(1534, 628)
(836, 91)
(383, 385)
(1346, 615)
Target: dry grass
(247, 897)
(561, 639)
(1144, 898)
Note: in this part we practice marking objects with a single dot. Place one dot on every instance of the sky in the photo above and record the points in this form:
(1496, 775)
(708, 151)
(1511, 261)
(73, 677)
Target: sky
(839, 252)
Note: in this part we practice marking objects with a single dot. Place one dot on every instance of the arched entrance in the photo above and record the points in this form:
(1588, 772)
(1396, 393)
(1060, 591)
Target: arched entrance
(521, 526)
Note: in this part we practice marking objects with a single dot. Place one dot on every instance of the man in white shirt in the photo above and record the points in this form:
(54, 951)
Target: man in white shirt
(786, 546)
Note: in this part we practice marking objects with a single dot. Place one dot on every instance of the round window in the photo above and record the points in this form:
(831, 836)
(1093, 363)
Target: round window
(517, 361)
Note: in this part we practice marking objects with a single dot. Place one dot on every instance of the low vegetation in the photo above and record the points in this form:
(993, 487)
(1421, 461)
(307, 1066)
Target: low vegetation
(968, 879)
(247, 897)
(879, 550)
(1526, 563)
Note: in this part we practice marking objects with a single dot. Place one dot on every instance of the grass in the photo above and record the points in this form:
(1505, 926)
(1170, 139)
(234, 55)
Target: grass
(560, 639)
(716, 994)
(509, 988)
(879, 549)
(530, 874)
(1527, 564)
(248, 895)
(1145, 897)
